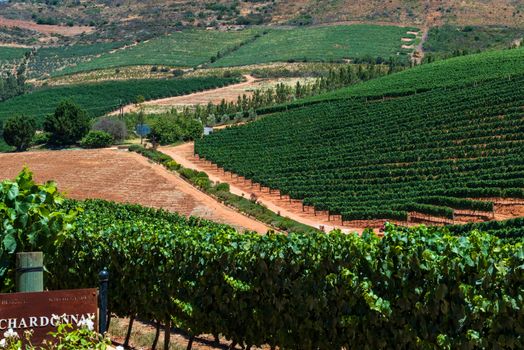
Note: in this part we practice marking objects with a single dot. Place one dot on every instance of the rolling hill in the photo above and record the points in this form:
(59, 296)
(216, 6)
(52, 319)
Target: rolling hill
(419, 141)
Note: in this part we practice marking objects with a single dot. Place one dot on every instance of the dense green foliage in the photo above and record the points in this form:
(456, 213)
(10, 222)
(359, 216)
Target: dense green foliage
(30, 220)
(509, 230)
(182, 49)
(4, 147)
(371, 159)
(331, 43)
(448, 40)
(18, 131)
(171, 128)
(11, 53)
(416, 288)
(458, 71)
(97, 139)
(101, 98)
(67, 125)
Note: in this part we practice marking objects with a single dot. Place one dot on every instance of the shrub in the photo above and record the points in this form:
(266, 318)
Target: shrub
(165, 130)
(97, 139)
(116, 128)
(67, 125)
(172, 165)
(40, 138)
(18, 131)
(222, 187)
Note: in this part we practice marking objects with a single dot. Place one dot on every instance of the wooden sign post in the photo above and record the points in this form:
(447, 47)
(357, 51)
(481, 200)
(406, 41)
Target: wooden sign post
(30, 272)
(34, 311)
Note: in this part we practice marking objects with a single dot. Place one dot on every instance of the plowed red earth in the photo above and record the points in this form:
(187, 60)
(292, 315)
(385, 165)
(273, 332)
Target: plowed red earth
(122, 176)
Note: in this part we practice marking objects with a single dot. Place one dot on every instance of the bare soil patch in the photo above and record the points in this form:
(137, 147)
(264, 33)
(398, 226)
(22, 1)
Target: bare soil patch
(143, 335)
(44, 28)
(228, 93)
(123, 177)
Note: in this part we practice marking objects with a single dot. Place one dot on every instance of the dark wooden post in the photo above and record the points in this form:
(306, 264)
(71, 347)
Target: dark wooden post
(103, 277)
(30, 272)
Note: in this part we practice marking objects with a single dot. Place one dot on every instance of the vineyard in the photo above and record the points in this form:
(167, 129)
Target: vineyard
(9, 57)
(231, 48)
(509, 230)
(333, 43)
(464, 70)
(49, 60)
(179, 49)
(429, 152)
(104, 97)
(11, 53)
(312, 291)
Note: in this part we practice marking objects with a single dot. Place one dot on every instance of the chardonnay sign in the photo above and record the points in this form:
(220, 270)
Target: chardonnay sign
(39, 312)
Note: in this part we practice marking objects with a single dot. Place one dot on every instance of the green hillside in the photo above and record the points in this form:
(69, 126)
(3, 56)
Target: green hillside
(104, 97)
(364, 158)
(51, 59)
(463, 70)
(11, 53)
(333, 43)
(182, 49)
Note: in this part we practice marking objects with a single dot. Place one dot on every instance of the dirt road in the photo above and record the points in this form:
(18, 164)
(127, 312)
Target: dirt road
(122, 176)
(183, 154)
(202, 97)
(228, 93)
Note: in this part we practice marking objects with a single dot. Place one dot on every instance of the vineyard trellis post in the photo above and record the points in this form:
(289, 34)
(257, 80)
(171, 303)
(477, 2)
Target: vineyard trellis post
(102, 301)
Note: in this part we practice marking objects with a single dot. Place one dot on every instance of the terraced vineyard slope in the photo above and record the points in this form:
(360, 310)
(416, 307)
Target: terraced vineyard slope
(431, 152)
(180, 49)
(53, 59)
(323, 44)
(459, 71)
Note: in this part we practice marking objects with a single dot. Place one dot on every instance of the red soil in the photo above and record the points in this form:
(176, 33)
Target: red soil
(44, 28)
(122, 177)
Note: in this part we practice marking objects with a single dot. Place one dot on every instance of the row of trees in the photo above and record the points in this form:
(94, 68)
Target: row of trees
(67, 125)
(245, 106)
(70, 124)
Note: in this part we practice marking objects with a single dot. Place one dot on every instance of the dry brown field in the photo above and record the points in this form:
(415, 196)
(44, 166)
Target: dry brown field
(122, 176)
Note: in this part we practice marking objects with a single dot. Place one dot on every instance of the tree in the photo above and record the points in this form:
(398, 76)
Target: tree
(166, 130)
(19, 131)
(97, 139)
(116, 128)
(67, 125)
